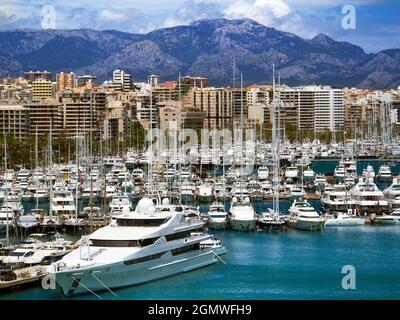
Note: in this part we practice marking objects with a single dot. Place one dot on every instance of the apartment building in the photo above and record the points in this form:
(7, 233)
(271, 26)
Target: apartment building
(65, 81)
(14, 119)
(35, 75)
(42, 89)
(122, 79)
(312, 107)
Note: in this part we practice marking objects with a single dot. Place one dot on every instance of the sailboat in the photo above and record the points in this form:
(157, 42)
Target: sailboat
(6, 212)
(271, 220)
(242, 214)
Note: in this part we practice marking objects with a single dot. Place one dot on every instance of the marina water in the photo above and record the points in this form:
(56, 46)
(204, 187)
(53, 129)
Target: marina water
(288, 265)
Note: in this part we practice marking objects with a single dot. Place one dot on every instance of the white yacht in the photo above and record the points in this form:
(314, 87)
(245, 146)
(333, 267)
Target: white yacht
(263, 173)
(28, 221)
(63, 203)
(120, 203)
(350, 167)
(303, 216)
(340, 171)
(369, 172)
(6, 218)
(205, 192)
(296, 192)
(187, 191)
(291, 172)
(384, 173)
(242, 215)
(392, 218)
(320, 182)
(308, 174)
(111, 191)
(14, 202)
(91, 190)
(137, 174)
(344, 219)
(149, 243)
(392, 194)
(217, 216)
(337, 199)
(367, 197)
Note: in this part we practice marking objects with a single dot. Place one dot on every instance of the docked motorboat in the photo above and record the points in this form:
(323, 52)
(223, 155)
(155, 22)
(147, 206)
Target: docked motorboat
(303, 216)
(205, 192)
(242, 216)
(344, 219)
(217, 216)
(63, 203)
(384, 173)
(337, 199)
(392, 218)
(121, 202)
(263, 173)
(308, 174)
(367, 197)
(7, 218)
(392, 194)
(292, 172)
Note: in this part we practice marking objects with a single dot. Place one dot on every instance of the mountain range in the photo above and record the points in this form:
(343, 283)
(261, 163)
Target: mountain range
(205, 48)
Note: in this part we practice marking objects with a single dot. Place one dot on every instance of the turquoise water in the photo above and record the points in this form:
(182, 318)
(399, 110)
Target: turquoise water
(289, 265)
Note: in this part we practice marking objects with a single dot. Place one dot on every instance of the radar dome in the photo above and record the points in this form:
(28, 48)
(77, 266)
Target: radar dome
(145, 205)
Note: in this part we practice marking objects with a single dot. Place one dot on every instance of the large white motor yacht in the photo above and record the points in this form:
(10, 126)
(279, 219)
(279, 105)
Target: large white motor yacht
(337, 199)
(367, 197)
(149, 243)
(120, 203)
(384, 173)
(303, 216)
(63, 203)
(392, 194)
(263, 173)
(242, 214)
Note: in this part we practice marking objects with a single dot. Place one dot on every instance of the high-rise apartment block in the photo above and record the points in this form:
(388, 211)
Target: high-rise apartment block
(65, 81)
(42, 89)
(122, 79)
(34, 75)
(14, 119)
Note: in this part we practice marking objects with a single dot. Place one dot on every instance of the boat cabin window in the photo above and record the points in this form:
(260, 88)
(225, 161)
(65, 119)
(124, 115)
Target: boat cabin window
(123, 243)
(141, 222)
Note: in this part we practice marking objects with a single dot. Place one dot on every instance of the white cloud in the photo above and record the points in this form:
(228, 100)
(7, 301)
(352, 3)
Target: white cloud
(109, 15)
(263, 11)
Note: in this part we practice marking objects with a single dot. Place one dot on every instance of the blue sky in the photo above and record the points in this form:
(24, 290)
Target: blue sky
(377, 21)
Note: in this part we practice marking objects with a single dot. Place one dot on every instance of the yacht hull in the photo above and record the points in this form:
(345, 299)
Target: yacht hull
(118, 275)
(344, 222)
(389, 221)
(306, 225)
(243, 225)
(217, 225)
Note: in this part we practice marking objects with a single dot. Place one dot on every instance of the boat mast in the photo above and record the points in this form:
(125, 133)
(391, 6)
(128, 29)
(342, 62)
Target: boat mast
(241, 135)
(77, 174)
(275, 146)
(6, 190)
(51, 170)
(150, 160)
(36, 165)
